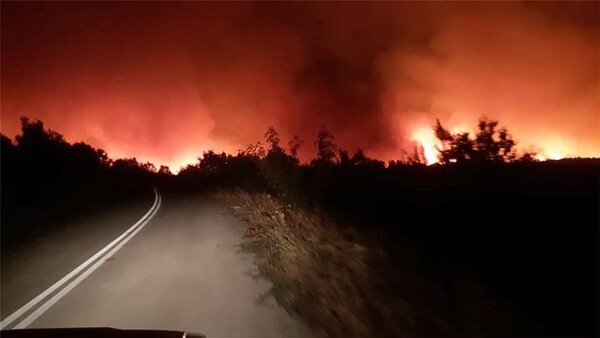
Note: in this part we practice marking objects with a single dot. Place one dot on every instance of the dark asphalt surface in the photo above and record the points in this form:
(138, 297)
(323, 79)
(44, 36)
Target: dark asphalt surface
(183, 271)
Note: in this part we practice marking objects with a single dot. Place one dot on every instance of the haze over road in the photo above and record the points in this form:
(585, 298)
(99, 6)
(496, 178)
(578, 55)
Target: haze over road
(182, 271)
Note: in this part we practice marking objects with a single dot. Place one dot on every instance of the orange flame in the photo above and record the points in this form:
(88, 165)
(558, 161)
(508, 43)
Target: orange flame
(547, 149)
(426, 138)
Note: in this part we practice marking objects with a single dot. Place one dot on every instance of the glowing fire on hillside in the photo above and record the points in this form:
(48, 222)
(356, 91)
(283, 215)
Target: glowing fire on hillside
(548, 149)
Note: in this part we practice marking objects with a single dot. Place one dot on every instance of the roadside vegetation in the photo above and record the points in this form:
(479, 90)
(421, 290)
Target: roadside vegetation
(487, 242)
(338, 279)
(47, 181)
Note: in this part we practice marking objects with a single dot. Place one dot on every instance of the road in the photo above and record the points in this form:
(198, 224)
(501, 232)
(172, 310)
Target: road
(181, 270)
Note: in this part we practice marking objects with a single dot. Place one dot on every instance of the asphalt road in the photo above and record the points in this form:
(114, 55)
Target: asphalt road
(182, 270)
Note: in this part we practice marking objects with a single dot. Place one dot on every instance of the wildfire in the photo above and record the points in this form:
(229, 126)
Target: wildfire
(426, 138)
(553, 149)
(548, 149)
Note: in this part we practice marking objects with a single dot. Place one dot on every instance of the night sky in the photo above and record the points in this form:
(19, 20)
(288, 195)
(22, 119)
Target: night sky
(165, 81)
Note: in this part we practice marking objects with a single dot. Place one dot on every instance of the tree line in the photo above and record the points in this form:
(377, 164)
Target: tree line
(36, 148)
(40, 155)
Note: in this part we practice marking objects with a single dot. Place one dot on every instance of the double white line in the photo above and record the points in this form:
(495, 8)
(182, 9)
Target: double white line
(91, 265)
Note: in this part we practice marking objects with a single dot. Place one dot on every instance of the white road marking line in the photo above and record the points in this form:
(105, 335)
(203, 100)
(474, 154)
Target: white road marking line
(44, 307)
(8, 320)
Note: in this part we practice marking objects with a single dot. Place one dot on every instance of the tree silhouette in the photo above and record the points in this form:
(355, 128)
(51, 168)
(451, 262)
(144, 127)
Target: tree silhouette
(417, 156)
(325, 147)
(84, 156)
(212, 162)
(164, 170)
(294, 145)
(359, 158)
(490, 144)
(41, 148)
(33, 134)
(344, 158)
(272, 138)
(455, 147)
(253, 150)
(149, 167)
(279, 168)
(8, 148)
(126, 164)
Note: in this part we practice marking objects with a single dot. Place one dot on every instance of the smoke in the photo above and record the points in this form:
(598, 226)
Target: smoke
(165, 82)
(537, 76)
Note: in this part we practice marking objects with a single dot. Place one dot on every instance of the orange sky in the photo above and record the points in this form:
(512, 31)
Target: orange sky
(166, 81)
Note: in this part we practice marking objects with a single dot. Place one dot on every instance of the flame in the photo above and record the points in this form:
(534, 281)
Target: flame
(183, 161)
(551, 148)
(426, 138)
(554, 149)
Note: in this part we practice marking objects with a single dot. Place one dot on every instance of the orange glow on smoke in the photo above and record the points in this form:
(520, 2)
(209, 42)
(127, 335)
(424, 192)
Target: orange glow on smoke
(166, 82)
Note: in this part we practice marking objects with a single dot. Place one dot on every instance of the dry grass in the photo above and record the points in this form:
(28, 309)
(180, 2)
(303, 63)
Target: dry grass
(322, 273)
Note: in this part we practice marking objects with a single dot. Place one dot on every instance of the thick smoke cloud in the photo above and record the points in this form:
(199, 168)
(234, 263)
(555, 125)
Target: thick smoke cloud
(164, 82)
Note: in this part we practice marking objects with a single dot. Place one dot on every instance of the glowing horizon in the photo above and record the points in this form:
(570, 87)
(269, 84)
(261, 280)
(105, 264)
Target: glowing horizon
(164, 82)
